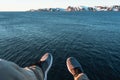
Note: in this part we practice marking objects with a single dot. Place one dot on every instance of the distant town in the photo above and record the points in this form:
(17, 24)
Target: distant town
(80, 8)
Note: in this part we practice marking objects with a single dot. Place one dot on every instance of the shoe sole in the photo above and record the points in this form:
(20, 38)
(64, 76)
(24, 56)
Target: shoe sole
(48, 67)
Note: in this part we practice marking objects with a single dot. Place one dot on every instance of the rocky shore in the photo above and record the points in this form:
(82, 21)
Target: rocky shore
(95, 8)
(79, 8)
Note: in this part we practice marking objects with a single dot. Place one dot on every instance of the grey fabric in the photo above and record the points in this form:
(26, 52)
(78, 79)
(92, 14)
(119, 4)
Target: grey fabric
(11, 71)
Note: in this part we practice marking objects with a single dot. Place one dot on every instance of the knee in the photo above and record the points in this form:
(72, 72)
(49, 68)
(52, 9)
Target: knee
(7, 64)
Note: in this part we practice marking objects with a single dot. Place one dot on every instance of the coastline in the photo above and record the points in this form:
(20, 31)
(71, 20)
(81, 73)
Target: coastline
(78, 9)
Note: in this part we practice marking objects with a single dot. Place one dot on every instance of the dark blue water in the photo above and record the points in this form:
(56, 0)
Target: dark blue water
(92, 37)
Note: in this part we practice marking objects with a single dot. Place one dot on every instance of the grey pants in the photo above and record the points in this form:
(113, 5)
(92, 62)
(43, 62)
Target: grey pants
(11, 71)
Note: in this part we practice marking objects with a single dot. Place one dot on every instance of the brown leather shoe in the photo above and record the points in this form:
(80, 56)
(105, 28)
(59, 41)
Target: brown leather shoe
(74, 66)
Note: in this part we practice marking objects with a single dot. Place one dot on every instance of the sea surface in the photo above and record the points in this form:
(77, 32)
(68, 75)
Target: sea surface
(93, 38)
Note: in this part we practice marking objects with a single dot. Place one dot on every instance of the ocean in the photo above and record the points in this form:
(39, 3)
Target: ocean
(93, 38)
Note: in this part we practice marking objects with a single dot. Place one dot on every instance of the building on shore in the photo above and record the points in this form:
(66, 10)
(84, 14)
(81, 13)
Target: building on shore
(101, 8)
(91, 9)
(47, 10)
(69, 8)
(116, 8)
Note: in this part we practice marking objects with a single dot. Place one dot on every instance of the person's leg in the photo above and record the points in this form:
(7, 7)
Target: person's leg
(42, 66)
(38, 71)
(11, 71)
(75, 69)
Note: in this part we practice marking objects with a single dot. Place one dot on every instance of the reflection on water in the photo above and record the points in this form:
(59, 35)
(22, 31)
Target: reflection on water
(93, 38)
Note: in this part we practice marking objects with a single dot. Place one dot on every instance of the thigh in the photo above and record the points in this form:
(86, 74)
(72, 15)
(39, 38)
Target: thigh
(10, 71)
